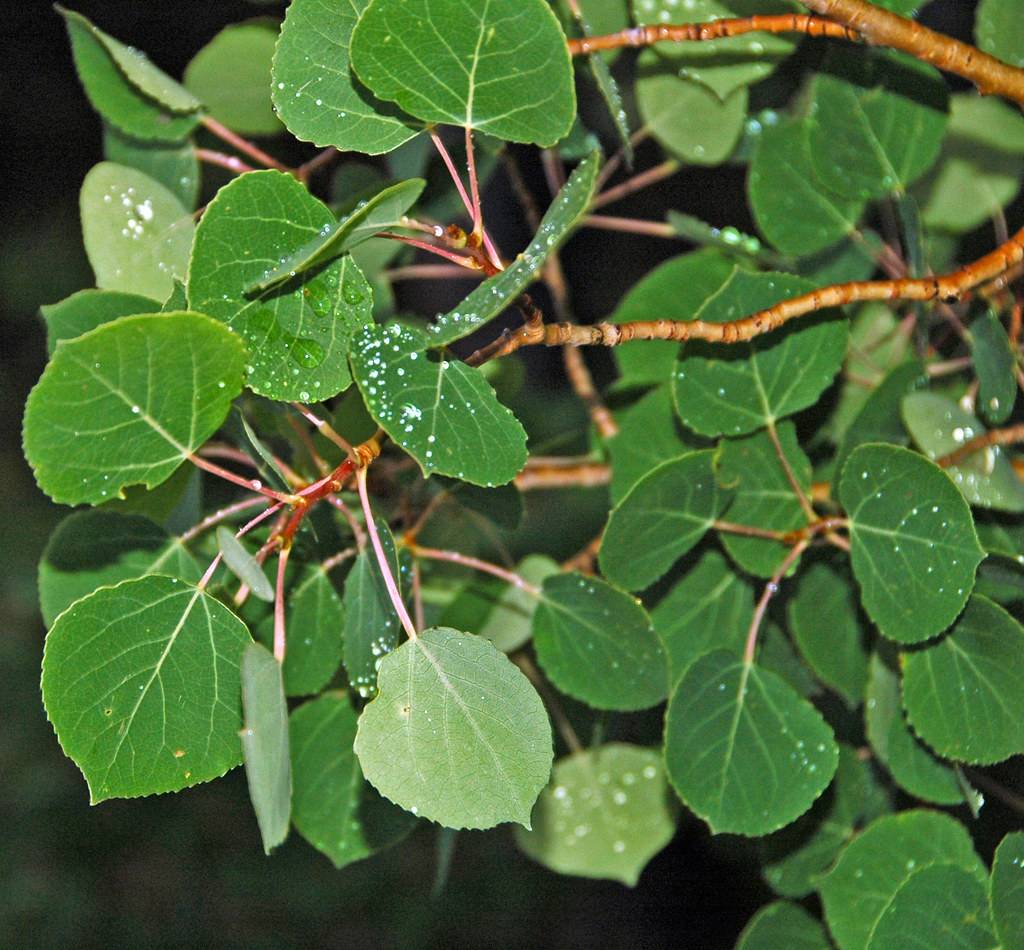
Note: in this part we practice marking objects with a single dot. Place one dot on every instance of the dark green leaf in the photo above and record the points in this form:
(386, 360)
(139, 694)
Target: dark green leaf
(173, 164)
(141, 683)
(298, 334)
(128, 402)
(783, 926)
(265, 744)
(503, 68)
(737, 388)
(442, 412)
(333, 807)
(606, 813)
(456, 733)
(87, 309)
(664, 515)
(994, 363)
(597, 644)
(744, 751)
(1006, 890)
(92, 549)
(962, 693)
(315, 625)
(914, 547)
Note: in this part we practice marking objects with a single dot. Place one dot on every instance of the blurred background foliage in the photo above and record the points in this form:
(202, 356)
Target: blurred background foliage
(188, 870)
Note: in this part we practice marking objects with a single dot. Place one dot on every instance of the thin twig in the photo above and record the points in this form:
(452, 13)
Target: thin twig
(485, 567)
(993, 437)
(243, 145)
(562, 724)
(770, 589)
(279, 624)
(787, 469)
(638, 182)
(231, 162)
(657, 229)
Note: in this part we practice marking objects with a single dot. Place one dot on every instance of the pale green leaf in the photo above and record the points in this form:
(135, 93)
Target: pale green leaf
(597, 644)
(939, 426)
(986, 121)
(265, 744)
(456, 734)
(606, 813)
(1006, 890)
(231, 75)
(87, 309)
(939, 906)
(128, 402)
(333, 807)
(496, 293)
(914, 547)
(744, 751)
(783, 926)
(137, 234)
(382, 211)
(298, 334)
(442, 412)
(243, 565)
(141, 683)
(173, 164)
(876, 864)
(737, 388)
(502, 67)
(999, 30)
(510, 624)
(664, 515)
(962, 694)
(92, 549)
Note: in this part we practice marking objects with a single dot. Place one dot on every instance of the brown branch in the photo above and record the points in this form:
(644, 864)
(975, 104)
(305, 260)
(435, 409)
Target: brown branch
(770, 590)
(639, 181)
(575, 475)
(658, 229)
(1007, 436)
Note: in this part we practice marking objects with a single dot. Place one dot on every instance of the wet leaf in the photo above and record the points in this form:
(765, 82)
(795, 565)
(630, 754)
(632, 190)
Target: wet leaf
(87, 309)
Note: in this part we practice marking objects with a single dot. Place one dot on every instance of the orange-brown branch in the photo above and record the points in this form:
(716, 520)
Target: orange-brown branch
(574, 475)
(714, 30)
(1007, 436)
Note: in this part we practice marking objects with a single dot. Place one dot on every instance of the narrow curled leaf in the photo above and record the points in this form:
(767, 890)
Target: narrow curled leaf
(128, 402)
(243, 565)
(384, 210)
(456, 734)
(141, 682)
(606, 813)
(265, 744)
(502, 67)
(743, 750)
(497, 292)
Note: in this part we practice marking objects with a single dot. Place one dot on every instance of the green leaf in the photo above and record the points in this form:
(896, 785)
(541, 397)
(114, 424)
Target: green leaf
(231, 75)
(877, 120)
(173, 164)
(828, 632)
(384, 210)
(137, 234)
(597, 644)
(986, 121)
(313, 88)
(709, 608)
(762, 496)
(92, 549)
(792, 209)
(744, 751)
(442, 412)
(939, 426)
(999, 30)
(720, 65)
(664, 515)
(911, 765)
(877, 863)
(510, 624)
(87, 309)
(502, 68)
(496, 293)
(298, 334)
(674, 290)
(372, 628)
(737, 388)
(684, 116)
(111, 74)
(648, 435)
(141, 683)
(783, 926)
(243, 565)
(776, 654)
(994, 362)
(127, 403)
(333, 807)
(315, 624)
(879, 417)
(914, 547)
(939, 906)
(265, 744)
(456, 733)
(962, 693)
(606, 813)
(1006, 890)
